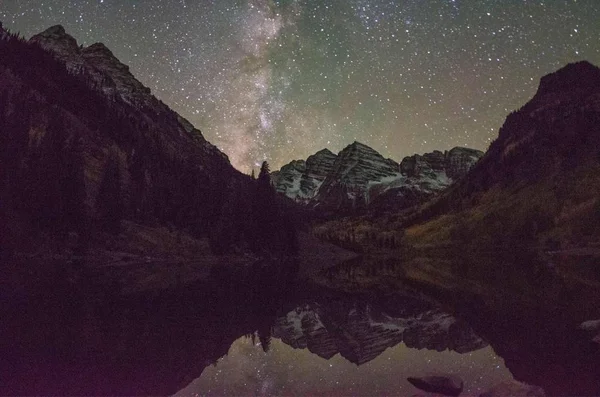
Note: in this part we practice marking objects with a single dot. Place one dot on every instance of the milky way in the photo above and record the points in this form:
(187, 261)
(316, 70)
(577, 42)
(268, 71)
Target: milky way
(280, 80)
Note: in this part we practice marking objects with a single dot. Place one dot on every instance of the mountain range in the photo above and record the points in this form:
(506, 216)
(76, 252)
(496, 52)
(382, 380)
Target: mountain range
(537, 185)
(358, 177)
(104, 188)
(85, 146)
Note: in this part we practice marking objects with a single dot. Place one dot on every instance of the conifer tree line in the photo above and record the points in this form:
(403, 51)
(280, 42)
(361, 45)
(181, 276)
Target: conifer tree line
(363, 241)
(253, 218)
(73, 159)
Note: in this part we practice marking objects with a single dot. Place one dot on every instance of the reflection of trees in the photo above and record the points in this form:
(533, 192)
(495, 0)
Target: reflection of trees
(147, 344)
(530, 314)
(264, 335)
(543, 349)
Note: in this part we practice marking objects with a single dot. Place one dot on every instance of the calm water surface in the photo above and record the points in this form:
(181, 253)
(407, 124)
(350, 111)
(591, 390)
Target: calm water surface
(247, 369)
(376, 323)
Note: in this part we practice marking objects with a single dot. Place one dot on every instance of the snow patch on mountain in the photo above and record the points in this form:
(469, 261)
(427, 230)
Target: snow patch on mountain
(359, 174)
(301, 180)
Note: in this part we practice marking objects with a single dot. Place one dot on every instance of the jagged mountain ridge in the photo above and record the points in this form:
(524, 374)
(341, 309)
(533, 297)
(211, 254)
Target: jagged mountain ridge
(300, 180)
(355, 169)
(361, 332)
(424, 176)
(83, 142)
(112, 77)
(359, 177)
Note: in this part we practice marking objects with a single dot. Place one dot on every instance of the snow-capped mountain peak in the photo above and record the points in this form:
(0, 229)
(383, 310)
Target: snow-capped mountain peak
(301, 180)
(359, 176)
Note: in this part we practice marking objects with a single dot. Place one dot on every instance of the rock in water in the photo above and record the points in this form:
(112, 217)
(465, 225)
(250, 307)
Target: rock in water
(448, 385)
(592, 327)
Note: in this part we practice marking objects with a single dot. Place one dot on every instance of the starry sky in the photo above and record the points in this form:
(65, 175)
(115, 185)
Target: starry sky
(282, 79)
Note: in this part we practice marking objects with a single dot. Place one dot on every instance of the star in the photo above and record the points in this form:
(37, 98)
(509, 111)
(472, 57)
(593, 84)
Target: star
(279, 80)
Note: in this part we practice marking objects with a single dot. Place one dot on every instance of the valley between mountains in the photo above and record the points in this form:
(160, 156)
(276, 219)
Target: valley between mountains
(121, 225)
(93, 161)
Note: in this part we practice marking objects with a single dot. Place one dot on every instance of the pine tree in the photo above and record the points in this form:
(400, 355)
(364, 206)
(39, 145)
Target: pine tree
(264, 176)
(73, 187)
(109, 205)
(227, 232)
(265, 211)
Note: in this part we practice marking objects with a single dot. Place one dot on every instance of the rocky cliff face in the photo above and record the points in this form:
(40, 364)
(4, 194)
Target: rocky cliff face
(356, 168)
(84, 145)
(360, 332)
(552, 134)
(112, 77)
(423, 176)
(454, 163)
(300, 180)
(359, 177)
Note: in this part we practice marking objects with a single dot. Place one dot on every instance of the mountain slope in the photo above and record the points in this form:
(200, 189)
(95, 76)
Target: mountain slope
(112, 77)
(539, 182)
(356, 167)
(85, 146)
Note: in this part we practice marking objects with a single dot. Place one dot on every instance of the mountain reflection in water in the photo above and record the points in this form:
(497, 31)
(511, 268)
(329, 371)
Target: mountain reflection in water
(247, 370)
(385, 320)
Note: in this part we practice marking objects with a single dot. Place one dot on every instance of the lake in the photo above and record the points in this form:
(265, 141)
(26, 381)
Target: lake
(361, 328)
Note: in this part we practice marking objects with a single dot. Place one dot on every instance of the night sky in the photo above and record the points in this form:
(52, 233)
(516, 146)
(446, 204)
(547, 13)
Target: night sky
(280, 80)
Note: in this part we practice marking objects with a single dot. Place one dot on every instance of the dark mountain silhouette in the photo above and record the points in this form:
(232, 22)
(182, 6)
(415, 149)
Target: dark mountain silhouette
(539, 182)
(90, 158)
